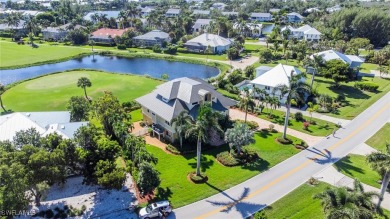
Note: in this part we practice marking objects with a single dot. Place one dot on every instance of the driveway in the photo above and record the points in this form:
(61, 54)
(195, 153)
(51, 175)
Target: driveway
(262, 190)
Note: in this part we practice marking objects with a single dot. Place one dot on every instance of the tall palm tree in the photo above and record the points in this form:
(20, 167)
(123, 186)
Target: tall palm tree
(316, 64)
(295, 89)
(246, 101)
(340, 203)
(380, 161)
(13, 20)
(206, 120)
(181, 124)
(32, 26)
(2, 90)
(84, 82)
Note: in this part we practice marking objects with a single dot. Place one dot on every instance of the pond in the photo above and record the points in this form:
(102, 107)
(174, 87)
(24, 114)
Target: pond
(141, 66)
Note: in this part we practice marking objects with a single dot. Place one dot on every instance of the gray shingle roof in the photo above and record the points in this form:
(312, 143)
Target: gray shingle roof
(171, 98)
(153, 35)
(260, 15)
(173, 11)
(204, 12)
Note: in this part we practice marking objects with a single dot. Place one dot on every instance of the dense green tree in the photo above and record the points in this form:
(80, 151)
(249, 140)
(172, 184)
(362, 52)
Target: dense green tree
(27, 137)
(235, 77)
(135, 150)
(148, 178)
(206, 120)
(338, 71)
(249, 72)
(77, 36)
(78, 108)
(109, 176)
(239, 136)
(380, 161)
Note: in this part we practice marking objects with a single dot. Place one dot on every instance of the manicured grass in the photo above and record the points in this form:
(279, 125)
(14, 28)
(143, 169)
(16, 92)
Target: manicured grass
(292, 62)
(357, 100)
(322, 128)
(174, 169)
(299, 203)
(378, 141)
(228, 94)
(253, 48)
(13, 55)
(136, 115)
(367, 67)
(52, 92)
(356, 166)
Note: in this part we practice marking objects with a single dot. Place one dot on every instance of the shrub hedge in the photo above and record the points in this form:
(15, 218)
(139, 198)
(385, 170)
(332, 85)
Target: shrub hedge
(282, 140)
(198, 179)
(226, 159)
(366, 85)
(172, 149)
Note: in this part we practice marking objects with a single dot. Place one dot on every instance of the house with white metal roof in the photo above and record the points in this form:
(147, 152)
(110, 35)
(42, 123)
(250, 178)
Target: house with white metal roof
(216, 43)
(58, 33)
(44, 122)
(269, 78)
(352, 60)
(204, 13)
(261, 17)
(168, 100)
(305, 32)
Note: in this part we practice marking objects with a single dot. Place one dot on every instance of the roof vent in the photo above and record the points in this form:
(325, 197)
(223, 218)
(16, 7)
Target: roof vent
(62, 127)
(28, 114)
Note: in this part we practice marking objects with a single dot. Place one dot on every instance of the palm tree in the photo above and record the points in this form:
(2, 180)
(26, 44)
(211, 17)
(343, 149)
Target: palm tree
(205, 121)
(32, 26)
(268, 40)
(274, 103)
(84, 82)
(246, 101)
(316, 63)
(383, 70)
(380, 161)
(262, 95)
(285, 46)
(91, 43)
(181, 124)
(295, 89)
(13, 20)
(2, 90)
(340, 203)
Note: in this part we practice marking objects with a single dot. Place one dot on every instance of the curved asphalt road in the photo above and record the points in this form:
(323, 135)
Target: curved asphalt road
(256, 193)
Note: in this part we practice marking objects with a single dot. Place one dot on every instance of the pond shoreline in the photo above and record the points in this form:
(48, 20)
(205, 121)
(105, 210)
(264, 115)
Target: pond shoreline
(132, 63)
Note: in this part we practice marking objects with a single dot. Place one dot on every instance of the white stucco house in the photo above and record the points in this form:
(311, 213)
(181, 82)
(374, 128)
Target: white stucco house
(269, 78)
(305, 32)
(200, 43)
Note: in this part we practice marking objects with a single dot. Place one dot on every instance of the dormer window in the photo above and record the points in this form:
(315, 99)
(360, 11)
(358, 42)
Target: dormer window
(194, 103)
(165, 100)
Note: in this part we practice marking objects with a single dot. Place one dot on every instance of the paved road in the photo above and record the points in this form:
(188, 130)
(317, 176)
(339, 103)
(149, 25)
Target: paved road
(264, 189)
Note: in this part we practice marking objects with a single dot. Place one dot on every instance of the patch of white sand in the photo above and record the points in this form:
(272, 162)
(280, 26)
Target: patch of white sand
(99, 203)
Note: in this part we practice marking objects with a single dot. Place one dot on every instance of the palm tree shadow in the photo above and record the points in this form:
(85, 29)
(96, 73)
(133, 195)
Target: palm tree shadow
(326, 156)
(238, 204)
(205, 163)
(346, 165)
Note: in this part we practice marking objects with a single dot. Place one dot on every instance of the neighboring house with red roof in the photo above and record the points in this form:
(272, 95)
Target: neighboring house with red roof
(106, 35)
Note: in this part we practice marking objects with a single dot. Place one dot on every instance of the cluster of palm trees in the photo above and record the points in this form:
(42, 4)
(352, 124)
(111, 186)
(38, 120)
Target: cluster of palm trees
(295, 89)
(343, 202)
(206, 121)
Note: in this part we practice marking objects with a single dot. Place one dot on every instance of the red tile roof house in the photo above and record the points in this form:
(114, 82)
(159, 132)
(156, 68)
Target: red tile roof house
(106, 35)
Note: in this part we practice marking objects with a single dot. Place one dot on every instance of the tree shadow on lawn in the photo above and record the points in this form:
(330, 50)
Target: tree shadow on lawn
(162, 194)
(346, 165)
(205, 163)
(326, 156)
(349, 92)
(239, 204)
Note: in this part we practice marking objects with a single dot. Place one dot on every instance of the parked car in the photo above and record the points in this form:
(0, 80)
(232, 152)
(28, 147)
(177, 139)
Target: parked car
(156, 209)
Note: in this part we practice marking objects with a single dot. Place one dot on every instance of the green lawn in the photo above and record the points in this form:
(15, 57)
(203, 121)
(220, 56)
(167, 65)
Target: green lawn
(13, 55)
(378, 141)
(367, 67)
(52, 92)
(298, 204)
(174, 169)
(136, 115)
(356, 166)
(357, 100)
(322, 128)
(253, 48)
